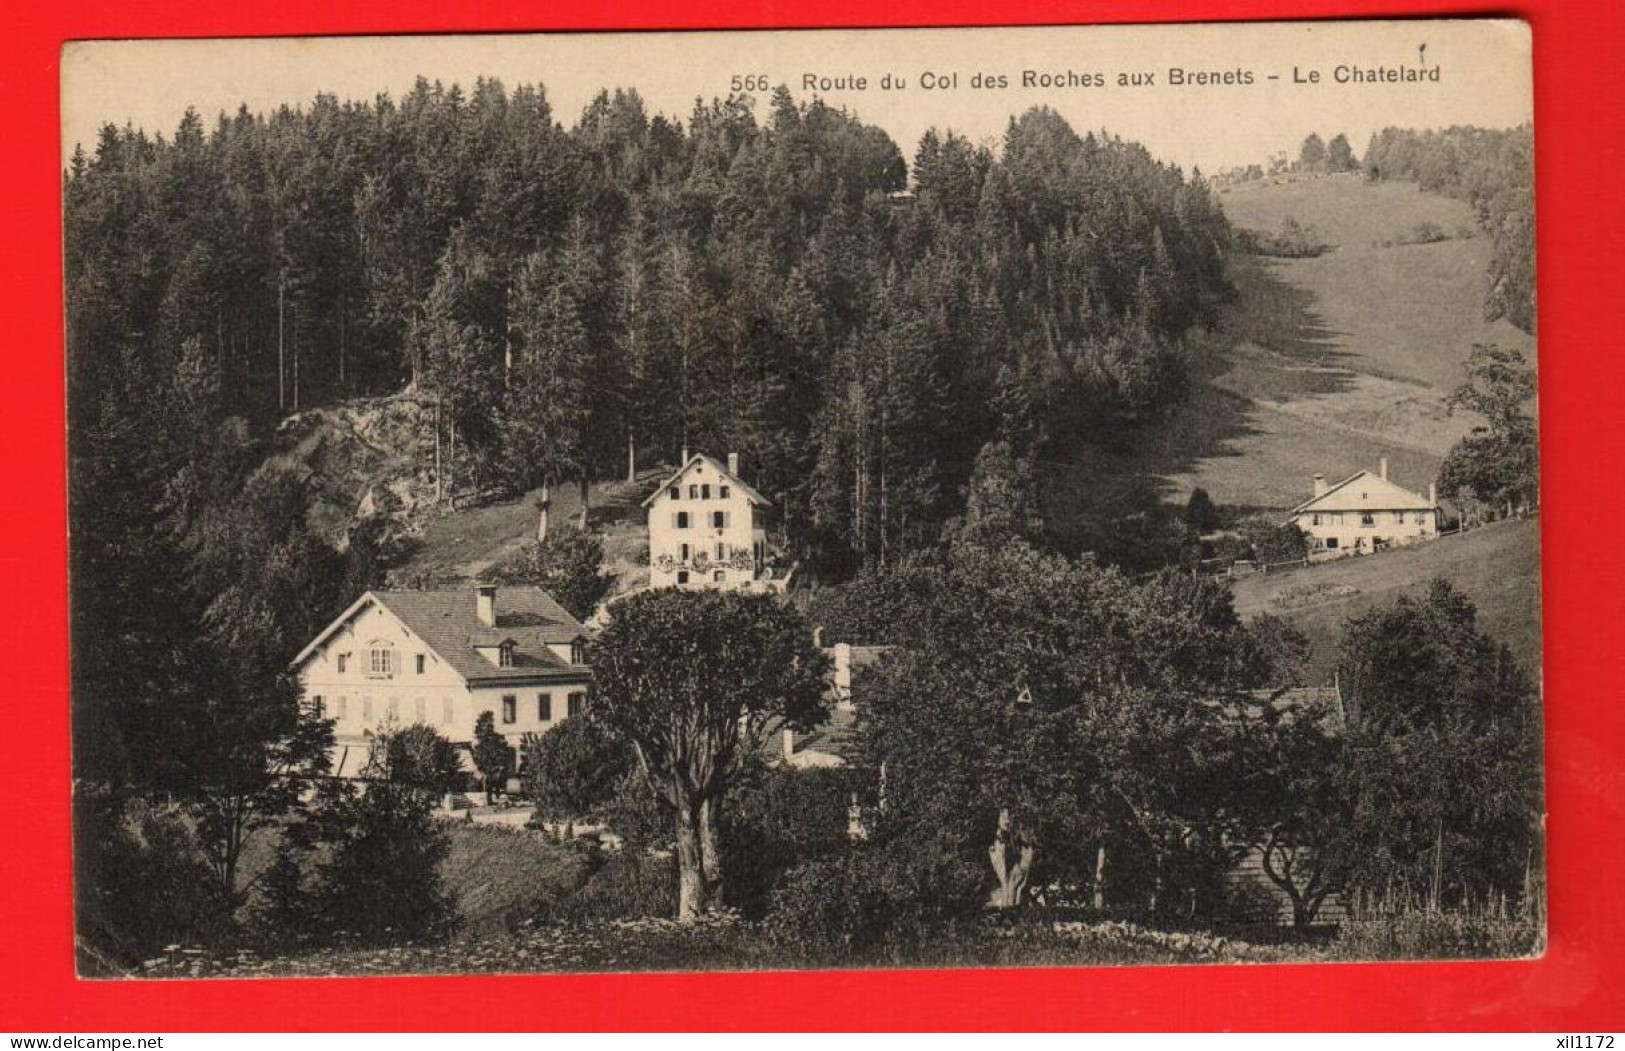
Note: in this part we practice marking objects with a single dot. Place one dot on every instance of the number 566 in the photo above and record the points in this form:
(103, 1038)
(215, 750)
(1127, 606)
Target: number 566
(754, 82)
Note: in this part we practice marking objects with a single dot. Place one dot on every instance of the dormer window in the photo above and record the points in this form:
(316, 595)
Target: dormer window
(505, 655)
(578, 652)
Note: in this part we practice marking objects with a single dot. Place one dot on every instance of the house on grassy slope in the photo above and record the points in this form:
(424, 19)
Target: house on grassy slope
(1365, 512)
(707, 529)
(441, 658)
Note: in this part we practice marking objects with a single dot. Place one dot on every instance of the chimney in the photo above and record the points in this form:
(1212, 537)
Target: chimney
(843, 674)
(1433, 494)
(733, 464)
(1382, 468)
(485, 604)
(1320, 485)
(685, 454)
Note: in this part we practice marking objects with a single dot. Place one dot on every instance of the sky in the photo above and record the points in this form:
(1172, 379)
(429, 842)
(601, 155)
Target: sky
(1482, 69)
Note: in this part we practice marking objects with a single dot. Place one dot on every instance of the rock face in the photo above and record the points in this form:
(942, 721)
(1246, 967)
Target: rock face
(366, 459)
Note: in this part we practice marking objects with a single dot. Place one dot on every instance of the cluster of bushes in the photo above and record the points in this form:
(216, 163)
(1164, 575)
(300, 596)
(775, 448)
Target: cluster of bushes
(1424, 233)
(1295, 240)
(358, 863)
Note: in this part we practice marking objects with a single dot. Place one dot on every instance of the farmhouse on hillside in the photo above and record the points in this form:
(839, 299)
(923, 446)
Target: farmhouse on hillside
(1364, 513)
(707, 529)
(441, 658)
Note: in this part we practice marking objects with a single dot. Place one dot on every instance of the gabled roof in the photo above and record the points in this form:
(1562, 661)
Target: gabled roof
(722, 471)
(448, 623)
(1364, 491)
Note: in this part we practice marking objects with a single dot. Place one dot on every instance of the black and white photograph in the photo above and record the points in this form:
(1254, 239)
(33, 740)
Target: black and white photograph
(817, 499)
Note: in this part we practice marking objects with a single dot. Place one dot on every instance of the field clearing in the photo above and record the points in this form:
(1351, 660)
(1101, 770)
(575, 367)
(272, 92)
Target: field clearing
(1407, 311)
(1320, 365)
(467, 543)
(1497, 567)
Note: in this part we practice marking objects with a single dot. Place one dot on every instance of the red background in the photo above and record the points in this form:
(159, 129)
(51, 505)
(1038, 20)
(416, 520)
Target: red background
(1579, 985)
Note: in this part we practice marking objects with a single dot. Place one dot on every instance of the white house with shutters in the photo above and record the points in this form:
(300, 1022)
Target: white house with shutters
(1364, 513)
(707, 528)
(441, 658)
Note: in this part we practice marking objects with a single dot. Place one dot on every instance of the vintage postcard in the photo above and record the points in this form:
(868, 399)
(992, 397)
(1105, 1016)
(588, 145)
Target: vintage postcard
(764, 500)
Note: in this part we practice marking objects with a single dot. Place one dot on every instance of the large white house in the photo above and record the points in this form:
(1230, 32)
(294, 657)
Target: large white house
(1365, 512)
(707, 528)
(441, 658)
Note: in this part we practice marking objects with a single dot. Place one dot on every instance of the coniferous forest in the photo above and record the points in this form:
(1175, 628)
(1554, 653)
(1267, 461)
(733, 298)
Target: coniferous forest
(744, 281)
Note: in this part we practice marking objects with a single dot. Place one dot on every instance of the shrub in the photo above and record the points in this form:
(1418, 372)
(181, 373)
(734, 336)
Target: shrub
(1436, 935)
(774, 820)
(872, 896)
(140, 882)
(382, 881)
(629, 885)
(571, 771)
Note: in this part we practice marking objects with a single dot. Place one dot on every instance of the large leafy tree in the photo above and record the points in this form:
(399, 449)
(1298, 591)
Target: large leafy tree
(1495, 469)
(1069, 709)
(690, 681)
(1423, 682)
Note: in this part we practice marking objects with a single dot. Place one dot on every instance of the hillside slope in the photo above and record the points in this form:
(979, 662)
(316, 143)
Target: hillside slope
(1320, 365)
(1497, 567)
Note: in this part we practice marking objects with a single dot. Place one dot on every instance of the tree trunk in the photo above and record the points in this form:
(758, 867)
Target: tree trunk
(281, 352)
(1012, 865)
(1100, 876)
(711, 853)
(690, 865)
(585, 487)
(544, 505)
(631, 458)
(439, 474)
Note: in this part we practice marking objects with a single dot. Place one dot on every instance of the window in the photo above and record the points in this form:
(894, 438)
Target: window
(682, 576)
(341, 709)
(578, 652)
(575, 704)
(719, 576)
(505, 655)
(544, 707)
(1367, 519)
(380, 662)
(445, 709)
(510, 708)
(421, 662)
(344, 659)
(1399, 516)
(685, 553)
(719, 519)
(674, 493)
(1331, 542)
(317, 709)
(1314, 519)
(722, 551)
(682, 520)
(693, 492)
(722, 492)
(705, 492)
